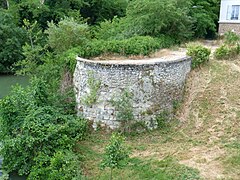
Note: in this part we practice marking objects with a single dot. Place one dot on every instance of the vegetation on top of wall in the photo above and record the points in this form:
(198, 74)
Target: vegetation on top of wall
(138, 45)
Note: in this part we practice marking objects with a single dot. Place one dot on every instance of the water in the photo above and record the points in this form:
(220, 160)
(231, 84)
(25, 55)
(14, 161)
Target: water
(7, 81)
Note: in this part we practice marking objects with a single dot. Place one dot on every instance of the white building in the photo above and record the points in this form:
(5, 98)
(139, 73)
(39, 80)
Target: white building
(229, 16)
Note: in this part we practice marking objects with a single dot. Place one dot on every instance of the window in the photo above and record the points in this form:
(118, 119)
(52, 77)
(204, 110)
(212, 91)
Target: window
(233, 12)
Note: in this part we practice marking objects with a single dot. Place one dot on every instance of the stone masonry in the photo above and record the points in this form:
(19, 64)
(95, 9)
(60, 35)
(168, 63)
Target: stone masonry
(155, 85)
(225, 27)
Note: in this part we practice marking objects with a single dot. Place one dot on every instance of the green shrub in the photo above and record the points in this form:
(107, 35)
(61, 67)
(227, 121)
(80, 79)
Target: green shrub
(222, 52)
(153, 18)
(138, 45)
(12, 38)
(63, 165)
(111, 30)
(227, 52)
(67, 34)
(230, 48)
(199, 54)
(231, 38)
(31, 125)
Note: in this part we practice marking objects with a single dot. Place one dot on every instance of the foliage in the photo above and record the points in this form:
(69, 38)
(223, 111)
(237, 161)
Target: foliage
(123, 105)
(231, 38)
(34, 33)
(11, 40)
(227, 52)
(63, 165)
(163, 120)
(41, 129)
(114, 29)
(204, 15)
(154, 18)
(67, 34)
(100, 10)
(94, 86)
(47, 10)
(138, 45)
(230, 48)
(33, 50)
(222, 52)
(199, 54)
(116, 155)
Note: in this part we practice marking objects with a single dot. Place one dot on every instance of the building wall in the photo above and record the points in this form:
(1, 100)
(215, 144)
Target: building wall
(225, 27)
(154, 84)
(224, 10)
(226, 24)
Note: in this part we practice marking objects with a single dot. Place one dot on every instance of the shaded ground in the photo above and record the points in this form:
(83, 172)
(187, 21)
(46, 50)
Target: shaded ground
(204, 138)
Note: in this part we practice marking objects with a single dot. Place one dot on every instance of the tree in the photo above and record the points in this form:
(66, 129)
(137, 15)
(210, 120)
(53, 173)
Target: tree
(153, 18)
(99, 10)
(12, 39)
(67, 34)
(205, 17)
(116, 155)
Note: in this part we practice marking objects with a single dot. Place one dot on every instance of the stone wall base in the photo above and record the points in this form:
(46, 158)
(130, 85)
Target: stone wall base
(225, 27)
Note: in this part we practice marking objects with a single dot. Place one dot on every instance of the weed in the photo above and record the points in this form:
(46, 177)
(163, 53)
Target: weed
(94, 86)
(124, 108)
(163, 120)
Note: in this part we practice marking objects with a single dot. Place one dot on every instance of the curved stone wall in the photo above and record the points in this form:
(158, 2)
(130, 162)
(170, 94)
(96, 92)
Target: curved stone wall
(155, 84)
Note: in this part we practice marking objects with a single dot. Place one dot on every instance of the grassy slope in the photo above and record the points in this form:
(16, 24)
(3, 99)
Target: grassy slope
(203, 144)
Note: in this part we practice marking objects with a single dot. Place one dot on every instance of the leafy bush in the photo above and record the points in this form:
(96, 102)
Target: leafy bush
(222, 52)
(67, 34)
(227, 52)
(63, 165)
(230, 48)
(231, 38)
(30, 127)
(12, 39)
(204, 15)
(111, 30)
(153, 18)
(138, 45)
(99, 10)
(199, 54)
